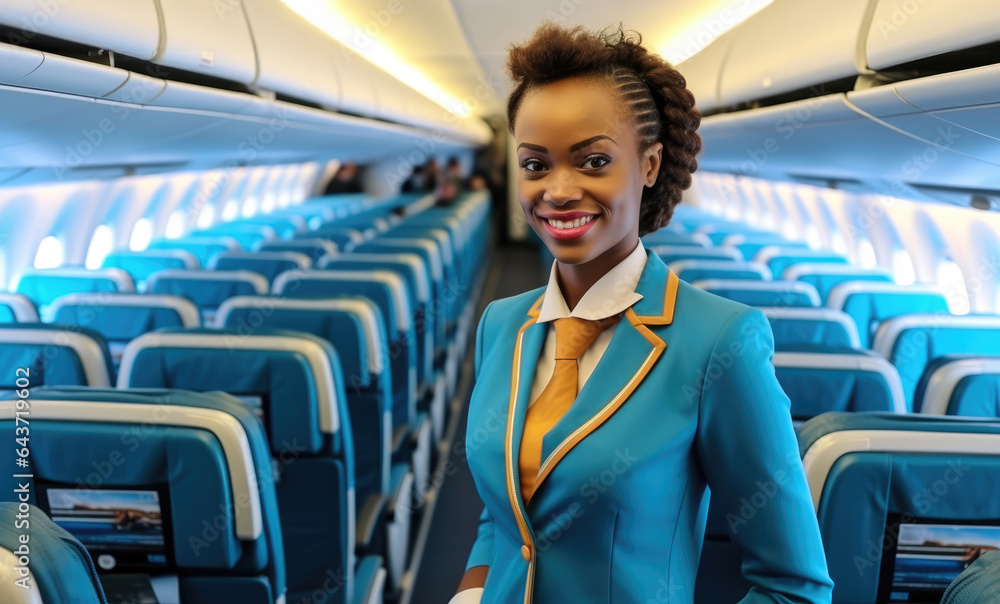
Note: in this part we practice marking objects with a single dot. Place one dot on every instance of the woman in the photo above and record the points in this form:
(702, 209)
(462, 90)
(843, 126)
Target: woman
(606, 430)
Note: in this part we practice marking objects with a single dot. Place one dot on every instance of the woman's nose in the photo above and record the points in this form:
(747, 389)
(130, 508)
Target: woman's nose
(561, 189)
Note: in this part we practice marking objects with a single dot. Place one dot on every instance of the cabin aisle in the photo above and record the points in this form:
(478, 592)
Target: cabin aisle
(455, 514)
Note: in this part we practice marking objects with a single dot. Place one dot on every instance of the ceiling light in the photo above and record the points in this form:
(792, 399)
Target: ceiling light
(701, 30)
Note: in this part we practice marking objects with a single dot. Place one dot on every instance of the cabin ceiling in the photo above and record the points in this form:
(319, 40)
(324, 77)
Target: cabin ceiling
(460, 44)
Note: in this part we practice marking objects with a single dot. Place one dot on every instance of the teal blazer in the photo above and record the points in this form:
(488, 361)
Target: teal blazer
(684, 398)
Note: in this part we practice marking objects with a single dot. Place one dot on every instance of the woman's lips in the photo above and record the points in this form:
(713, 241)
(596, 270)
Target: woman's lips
(569, 226)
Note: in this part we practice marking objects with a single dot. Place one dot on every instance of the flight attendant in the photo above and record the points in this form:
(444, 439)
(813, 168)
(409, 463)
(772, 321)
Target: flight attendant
(614, 397)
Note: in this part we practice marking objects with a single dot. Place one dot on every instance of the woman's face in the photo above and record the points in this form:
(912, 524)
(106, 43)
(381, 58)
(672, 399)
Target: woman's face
(580, 178)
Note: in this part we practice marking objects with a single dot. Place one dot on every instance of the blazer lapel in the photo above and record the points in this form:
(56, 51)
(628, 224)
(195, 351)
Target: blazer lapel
(630, 355)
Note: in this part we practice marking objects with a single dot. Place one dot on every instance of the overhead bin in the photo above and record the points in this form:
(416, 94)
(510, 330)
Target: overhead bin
(56, 73)
(907, 30)
(129, 27)
(703, 71)
(790, 45)
(294, 58)
(952, 112)
(207, 38)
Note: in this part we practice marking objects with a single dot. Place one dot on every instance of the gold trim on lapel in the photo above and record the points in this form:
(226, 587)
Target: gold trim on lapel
(594, 422)
(669, 301)
(513, 485)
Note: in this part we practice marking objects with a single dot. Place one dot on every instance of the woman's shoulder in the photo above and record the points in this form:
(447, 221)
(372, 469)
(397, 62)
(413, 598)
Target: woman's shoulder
(715, 317)
(512, 309)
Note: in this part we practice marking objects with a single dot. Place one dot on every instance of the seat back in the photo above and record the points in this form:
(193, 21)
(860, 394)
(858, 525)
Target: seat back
(167, 483)
(960, 385)
(343, 237)
(386, 289)
(312, 247)
(414, 271)
(269, 264)
(911, 342)
(672, 253)
(203, 248)
(750, 243)
(285, 224)
(293, 383)
(122, 317)
(697, 270)
(824, 276)
(780, 257)
(869, 303)
(762, 293)
(61, 570)
(837, 379)
(665, 236)
(141, 264)
(42, 286)
(819, 326)
(902, 500)
(249, 235)
(54, 355)
(17, 308)
(207, 289)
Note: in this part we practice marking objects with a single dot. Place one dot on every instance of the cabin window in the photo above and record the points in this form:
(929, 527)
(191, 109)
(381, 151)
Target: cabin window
(50, 253)
(951, 280)
(142, 234)
(866, 254)
(175, 224)
(207, 217)
(100, 246)
(230, 210)
(813, 238)
(250, 207)
(902, 268)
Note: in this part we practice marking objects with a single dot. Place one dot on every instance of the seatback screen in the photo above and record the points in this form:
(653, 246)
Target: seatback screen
(925, 556)
(124, 529)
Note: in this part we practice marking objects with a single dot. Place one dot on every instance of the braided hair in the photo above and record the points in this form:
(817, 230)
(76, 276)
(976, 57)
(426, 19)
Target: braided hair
(651, 92)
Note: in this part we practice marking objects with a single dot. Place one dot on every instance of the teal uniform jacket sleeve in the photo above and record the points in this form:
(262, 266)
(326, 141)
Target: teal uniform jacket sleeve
(750, 457)
(482, 549)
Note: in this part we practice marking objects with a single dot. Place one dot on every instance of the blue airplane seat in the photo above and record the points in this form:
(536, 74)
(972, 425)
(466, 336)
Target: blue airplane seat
(979, 582)
(141, 264)
(819, 379)
(825, 276)
(123, 317)
(434, 245)
(890, 489)
(42, 286)
(313, 214)
(820, 326)
(52, 354)
(454, 265)
(666, 236)
(248, 236)
(355, 328)
(870, 302)
(203, 248)
(697, 270)
(717, 230)
(672, 253)
(17, 308)
(778, 258)
(270, 263)
(750, 243)
(59, 569)
(207, 288)
(966, 385)
(911, 342)
(194, 471)
(380, 224)
(292, 382)
(313, 247)
(344, 238)
(285, 225)
(762, 293)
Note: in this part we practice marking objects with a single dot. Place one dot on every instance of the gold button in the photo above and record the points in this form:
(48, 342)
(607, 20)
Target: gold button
(526, 552)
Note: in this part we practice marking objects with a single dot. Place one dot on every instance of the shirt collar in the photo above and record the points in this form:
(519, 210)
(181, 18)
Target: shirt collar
(612, 294)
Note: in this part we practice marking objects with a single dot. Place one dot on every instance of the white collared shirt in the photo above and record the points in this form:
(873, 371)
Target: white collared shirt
(612, 294)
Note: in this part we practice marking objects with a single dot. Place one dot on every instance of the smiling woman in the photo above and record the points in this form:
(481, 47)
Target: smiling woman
(638, 366)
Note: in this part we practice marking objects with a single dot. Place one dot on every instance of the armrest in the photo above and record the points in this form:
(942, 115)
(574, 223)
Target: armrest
(368, 522)
(369, 580)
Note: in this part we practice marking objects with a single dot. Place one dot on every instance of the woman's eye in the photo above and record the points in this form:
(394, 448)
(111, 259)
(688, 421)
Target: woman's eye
(532, 165)
(595, 161)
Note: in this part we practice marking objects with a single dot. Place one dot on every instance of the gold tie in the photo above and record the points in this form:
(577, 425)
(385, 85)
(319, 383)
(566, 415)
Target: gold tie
(573, 337)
